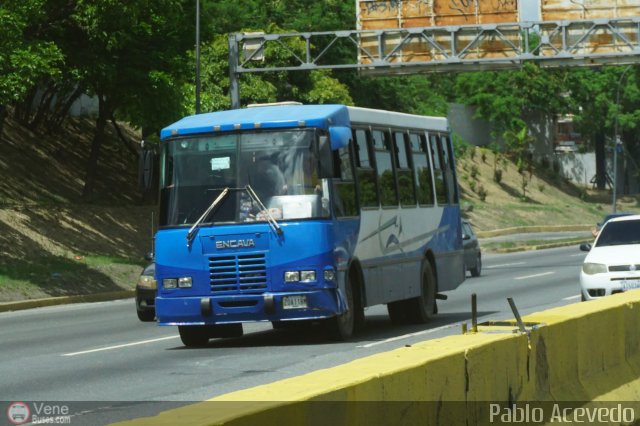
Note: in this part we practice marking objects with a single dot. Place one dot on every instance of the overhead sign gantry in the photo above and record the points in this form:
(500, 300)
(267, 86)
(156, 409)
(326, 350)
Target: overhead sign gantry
(421, 36)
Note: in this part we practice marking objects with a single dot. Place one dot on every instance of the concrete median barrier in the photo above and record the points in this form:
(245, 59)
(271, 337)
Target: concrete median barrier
(65, 300)
(574, 360)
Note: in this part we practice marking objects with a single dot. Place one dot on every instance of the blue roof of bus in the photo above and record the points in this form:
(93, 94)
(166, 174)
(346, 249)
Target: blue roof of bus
(264, 117)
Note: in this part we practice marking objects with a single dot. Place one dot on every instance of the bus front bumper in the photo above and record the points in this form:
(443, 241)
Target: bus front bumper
(228, 309)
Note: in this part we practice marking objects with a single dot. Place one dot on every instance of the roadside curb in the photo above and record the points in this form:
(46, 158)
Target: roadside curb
(531, 229)
(63, 300)
(541, 246)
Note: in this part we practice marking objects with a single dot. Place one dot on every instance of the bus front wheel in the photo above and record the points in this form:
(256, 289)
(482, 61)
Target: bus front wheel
(343, 325)
(194, 335)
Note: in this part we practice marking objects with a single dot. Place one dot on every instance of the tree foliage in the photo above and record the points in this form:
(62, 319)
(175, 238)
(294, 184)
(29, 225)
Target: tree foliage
(26, 57)
(504, 97)
(137, 58)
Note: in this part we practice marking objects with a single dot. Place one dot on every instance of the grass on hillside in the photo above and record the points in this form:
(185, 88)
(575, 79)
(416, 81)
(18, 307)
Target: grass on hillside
(52, 241)
(548, 199)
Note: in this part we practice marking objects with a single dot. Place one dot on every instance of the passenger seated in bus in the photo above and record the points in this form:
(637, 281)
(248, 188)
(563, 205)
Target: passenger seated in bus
(303, 178)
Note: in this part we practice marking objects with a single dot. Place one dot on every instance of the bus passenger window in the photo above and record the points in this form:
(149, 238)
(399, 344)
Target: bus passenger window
(388, 194)
(345, 203)
(447, 153)
(421, 169)
(438, 169)
(406, 186)
(365, 173)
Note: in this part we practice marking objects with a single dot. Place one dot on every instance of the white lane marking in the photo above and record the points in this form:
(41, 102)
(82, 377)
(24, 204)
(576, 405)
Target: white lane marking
(572, 297)
(506, 264)
(579, 254)
(124, 345)
(405, 336)
(534, 276)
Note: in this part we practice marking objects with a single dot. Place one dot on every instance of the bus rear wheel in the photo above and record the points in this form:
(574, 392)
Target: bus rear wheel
(423, 308)
(398, 311)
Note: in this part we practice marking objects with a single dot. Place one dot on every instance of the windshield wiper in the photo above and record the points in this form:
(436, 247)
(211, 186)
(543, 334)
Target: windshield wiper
(194, 228)
(270, 219)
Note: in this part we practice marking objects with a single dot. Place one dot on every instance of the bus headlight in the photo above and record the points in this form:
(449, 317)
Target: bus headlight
(329, 275)
(185, 282)
(307, 276)
(291, 276)
(169, 283)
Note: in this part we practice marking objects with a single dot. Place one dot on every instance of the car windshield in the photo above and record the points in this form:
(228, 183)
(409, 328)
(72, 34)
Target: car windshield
(281, 167)
(619, 233)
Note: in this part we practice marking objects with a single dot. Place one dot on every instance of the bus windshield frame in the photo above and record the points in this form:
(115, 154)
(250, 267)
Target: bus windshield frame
(281, 166)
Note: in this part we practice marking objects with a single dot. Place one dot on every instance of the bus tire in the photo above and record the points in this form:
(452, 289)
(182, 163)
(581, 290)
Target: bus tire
(398, 312)
(194, 335)
(343, 325)
(358, 300)
(475, 271)
(225, 330)
(423, 308)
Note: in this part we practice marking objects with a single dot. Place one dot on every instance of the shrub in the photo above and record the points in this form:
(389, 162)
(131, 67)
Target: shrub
(497, 175)
(483, 154)
(541, 187)
(482, 193)
(474, 171)
(460, 147)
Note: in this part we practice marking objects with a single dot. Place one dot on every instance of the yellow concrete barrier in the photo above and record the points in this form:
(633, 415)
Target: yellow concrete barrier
(585, 354)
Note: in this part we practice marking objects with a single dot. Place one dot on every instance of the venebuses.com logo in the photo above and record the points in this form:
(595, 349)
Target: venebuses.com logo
(18, 413)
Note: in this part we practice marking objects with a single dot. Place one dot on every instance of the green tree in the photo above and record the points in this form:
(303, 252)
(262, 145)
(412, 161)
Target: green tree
(308, 87)
(25, 57)
(123, 52)
(504, 97)
(594, 96)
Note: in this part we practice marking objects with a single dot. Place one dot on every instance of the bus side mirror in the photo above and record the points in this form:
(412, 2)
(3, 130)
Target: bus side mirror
(145, 169)
(325, 157)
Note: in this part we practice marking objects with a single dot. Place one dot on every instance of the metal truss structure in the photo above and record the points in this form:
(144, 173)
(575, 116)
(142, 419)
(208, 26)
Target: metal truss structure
(437, 49)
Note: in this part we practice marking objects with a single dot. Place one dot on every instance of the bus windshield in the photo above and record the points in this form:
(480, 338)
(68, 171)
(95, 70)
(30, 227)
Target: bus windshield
(280, 166)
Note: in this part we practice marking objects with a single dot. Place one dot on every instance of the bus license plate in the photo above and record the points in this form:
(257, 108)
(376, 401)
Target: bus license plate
(630, 284)
(294, 302)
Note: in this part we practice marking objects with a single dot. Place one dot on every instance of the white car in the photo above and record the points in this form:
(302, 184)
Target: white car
(613, 263)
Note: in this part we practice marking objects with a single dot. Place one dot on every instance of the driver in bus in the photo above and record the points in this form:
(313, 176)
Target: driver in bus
(267, 179)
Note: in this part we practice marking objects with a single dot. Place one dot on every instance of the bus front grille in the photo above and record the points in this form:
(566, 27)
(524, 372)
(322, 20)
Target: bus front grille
(246, 273)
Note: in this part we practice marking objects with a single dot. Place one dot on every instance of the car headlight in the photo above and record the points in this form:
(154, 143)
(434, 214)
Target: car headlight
(147, 281)
(594, 268)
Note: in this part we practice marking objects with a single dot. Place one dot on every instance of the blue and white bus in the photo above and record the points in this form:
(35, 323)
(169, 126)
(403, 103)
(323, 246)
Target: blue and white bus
(304, 213)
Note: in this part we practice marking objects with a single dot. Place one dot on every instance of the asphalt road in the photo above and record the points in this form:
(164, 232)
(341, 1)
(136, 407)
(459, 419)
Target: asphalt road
(101, 353)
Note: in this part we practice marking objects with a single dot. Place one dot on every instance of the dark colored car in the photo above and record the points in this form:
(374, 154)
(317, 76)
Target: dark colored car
(472, 253)
(146, 289)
